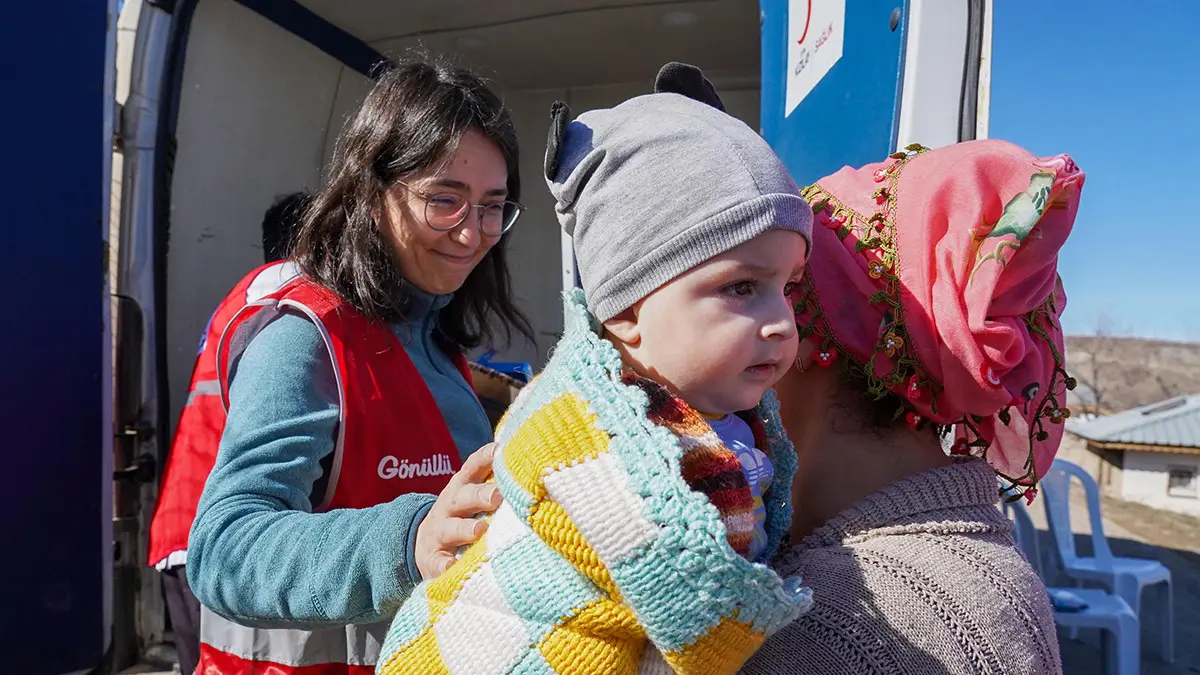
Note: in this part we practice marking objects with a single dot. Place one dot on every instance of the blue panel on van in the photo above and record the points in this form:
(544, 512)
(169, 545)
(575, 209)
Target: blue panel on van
(851, 116)
(51, 297)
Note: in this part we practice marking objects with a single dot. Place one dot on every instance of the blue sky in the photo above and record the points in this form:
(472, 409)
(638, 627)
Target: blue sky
(1116, 86)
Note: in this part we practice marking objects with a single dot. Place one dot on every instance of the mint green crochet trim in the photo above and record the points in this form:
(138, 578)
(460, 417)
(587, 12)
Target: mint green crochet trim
(533, 397)
(778, 500)
(409, 622)
(520, 500)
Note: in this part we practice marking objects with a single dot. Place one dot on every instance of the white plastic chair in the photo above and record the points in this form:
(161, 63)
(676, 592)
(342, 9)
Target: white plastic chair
(1125, 577)
(1118, 623)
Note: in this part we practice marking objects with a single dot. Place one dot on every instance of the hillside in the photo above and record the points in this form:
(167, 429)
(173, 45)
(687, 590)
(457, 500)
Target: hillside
(1129, 372)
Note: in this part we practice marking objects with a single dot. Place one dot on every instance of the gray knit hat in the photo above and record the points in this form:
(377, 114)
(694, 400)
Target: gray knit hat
(661, 183)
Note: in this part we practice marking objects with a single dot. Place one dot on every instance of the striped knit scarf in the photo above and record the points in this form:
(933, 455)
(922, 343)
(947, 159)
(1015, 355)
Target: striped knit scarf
(616, 549)
(707, 465)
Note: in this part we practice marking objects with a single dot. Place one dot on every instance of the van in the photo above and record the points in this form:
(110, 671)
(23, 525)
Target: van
(222, 106)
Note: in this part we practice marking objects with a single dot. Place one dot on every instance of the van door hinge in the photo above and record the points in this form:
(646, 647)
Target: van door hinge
(140, 430)
(118, 138)
(143, 470)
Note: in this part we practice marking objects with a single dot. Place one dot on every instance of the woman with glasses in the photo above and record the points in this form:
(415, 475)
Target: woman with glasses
(349, 403)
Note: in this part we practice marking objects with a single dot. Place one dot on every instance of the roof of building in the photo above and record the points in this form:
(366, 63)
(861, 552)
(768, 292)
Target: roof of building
(1172, 423)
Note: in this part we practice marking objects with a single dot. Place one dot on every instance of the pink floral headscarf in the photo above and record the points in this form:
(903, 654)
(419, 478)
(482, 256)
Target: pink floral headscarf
(935, 277)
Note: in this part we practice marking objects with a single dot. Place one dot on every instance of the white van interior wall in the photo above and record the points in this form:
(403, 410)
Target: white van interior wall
(254, 108)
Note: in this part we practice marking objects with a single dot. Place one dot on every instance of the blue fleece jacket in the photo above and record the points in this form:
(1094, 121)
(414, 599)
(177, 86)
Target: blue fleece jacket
(257, 554)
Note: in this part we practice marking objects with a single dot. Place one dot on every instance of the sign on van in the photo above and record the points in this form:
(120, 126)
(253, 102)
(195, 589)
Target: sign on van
(816, 32)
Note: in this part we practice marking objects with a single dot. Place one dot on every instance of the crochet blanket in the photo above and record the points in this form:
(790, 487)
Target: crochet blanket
(609, 553)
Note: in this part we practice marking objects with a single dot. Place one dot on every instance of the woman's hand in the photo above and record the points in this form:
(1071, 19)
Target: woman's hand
(451, 522)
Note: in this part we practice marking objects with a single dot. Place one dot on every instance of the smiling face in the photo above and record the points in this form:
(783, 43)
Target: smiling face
(439, 262)
(722, 333)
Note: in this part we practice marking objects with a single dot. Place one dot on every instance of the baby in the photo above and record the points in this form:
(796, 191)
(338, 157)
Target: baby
(645, 473)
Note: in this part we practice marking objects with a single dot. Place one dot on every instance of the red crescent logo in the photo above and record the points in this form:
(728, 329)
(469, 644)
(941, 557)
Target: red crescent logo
(807, 21)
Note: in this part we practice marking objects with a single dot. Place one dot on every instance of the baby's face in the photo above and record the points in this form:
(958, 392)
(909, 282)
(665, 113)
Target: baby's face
(724, 332)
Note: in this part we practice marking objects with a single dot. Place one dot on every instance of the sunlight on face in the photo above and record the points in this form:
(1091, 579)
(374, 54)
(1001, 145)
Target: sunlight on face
(722, 333)
(439, 262)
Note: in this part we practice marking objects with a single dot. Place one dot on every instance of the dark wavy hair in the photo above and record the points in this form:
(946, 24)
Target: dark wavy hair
(279, 224)
(411, 122)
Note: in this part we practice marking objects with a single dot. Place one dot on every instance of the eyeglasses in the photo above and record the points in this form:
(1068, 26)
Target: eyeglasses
(445, 211)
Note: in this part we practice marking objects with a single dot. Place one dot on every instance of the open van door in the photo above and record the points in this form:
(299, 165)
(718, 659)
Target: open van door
(848, 82)
(57, 484)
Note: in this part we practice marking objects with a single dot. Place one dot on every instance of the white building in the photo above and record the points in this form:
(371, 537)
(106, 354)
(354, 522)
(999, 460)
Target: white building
(1149, 454)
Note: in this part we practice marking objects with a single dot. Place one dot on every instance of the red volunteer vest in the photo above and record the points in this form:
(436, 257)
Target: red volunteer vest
(392, 440)
(198, 432)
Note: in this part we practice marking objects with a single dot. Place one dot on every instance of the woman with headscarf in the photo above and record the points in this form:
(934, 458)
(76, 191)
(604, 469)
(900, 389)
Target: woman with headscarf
(930, 309)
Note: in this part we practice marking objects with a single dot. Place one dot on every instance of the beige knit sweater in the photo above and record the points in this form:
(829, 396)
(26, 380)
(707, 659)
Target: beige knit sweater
(921, 577)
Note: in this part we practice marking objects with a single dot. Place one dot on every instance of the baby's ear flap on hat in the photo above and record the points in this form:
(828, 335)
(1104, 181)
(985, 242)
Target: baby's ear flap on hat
(681, 78)
(560, 115)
